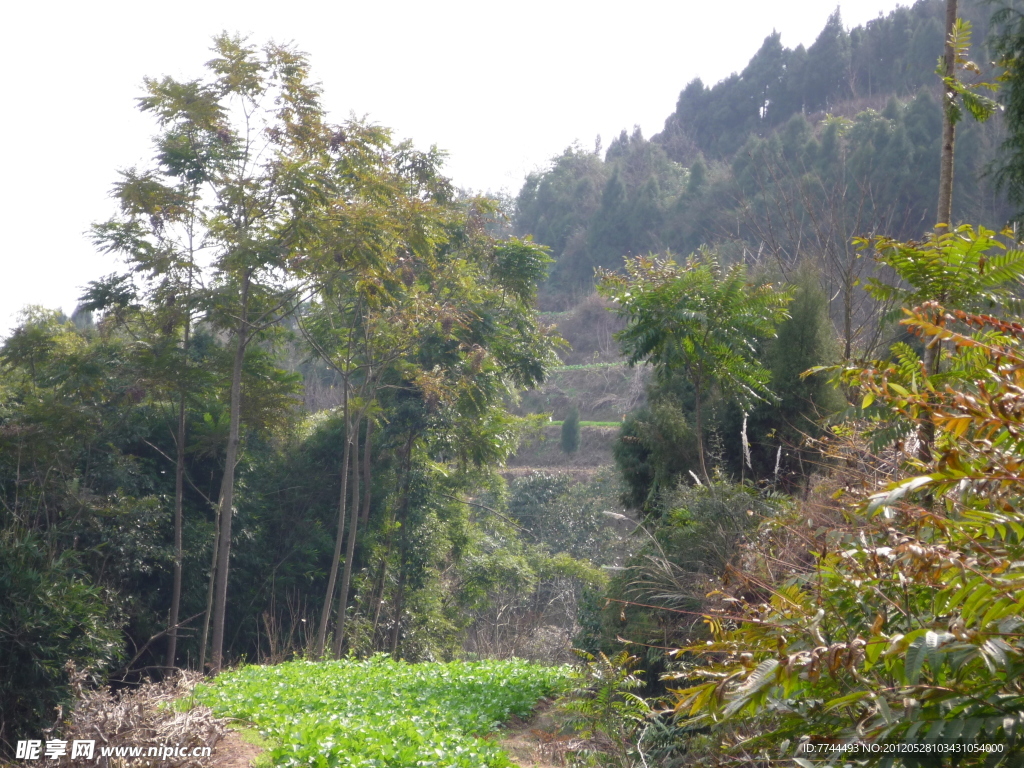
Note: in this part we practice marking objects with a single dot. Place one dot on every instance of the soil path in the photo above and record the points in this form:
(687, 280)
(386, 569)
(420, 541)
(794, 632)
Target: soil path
(234, 752)
(533, 743)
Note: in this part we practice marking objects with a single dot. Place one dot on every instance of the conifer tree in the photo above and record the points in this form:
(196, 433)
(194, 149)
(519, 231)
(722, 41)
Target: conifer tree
(571, 431)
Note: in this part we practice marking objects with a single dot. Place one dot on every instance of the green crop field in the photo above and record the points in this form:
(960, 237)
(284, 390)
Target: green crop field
(380, 712)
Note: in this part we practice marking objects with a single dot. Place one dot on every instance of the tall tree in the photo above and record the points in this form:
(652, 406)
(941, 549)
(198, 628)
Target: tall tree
(160, 233)
(484, 346)
(389, 213)
(252, 141)
(959, 94)
(945, 212)
(828, 64)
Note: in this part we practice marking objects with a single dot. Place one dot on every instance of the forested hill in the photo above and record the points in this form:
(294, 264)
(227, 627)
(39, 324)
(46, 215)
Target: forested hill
(801, 150)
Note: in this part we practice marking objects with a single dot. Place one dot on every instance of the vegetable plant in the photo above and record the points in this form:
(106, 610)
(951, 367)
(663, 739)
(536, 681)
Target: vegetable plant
(380, 712)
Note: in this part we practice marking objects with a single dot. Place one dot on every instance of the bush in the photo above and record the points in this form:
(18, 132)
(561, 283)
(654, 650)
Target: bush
(602, 708)
(696, 536)
(48, 617)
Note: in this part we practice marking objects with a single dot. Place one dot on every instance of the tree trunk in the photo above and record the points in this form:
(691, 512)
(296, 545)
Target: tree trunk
(353, 532)
(944, 218)
(325, 611)
(379, 591)
(399, 602)
(700, 434)
(396, 625)
(179, 493)
(945, 212)
(926, 432)
(364, 516)
(848, 285)
(227, 489)
(209, 590)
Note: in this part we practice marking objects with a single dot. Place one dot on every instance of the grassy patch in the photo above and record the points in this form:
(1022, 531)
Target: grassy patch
(380, 712)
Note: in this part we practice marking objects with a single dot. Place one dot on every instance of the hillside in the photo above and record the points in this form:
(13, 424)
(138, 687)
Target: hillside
(783, 162)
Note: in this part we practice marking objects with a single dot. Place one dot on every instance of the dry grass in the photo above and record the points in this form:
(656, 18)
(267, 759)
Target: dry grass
(792, 543)
(144, 716)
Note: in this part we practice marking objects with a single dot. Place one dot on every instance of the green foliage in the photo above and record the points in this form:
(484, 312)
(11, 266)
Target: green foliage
(570, 433)
(49, 616)
(907, 630)
(826, 78)
(656, 449)
(693, 536)
(699, 320)
(382, 712)
(965, 268)
(536, 559)
(962, 269)
(780, 434)
(961, 95)
(600, 705)
(562, 515)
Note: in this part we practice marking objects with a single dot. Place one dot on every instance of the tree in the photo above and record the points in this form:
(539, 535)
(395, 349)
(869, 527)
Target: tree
(570, 436)
(779, 431)
(369, 312)
(828, 64)
(958, 95)
(949, 115)
(79, 520)
(700, 320)
(160, 233)
(426, 320)
(251, 151)
(960, 269)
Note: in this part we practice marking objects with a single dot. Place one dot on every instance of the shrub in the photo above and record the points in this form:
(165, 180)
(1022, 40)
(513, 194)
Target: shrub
(48, 616)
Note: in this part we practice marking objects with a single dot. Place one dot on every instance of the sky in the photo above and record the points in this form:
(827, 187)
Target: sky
(501, 88)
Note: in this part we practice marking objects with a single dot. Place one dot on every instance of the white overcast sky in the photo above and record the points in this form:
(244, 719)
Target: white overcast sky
(502, 88)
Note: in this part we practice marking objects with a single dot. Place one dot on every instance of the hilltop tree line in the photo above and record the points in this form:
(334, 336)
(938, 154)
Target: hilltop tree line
(800, 151)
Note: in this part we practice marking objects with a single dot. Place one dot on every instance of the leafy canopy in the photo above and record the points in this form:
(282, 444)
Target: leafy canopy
(697, 317)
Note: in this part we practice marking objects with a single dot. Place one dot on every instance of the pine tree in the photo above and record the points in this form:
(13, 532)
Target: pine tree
(571, 431)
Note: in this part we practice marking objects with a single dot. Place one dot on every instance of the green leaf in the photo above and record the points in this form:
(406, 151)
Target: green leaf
(917, 653)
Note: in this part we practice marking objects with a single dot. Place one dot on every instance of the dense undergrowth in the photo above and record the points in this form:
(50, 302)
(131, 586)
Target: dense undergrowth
(380, 712)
